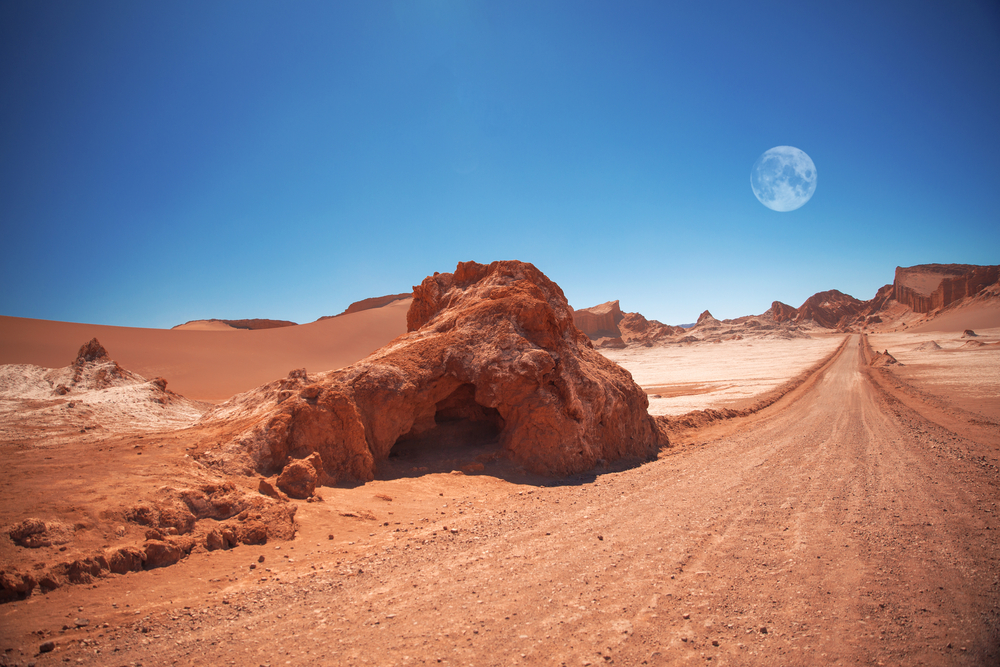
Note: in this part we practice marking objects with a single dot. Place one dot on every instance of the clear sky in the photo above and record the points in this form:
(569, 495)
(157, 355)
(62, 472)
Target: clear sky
(168, 161)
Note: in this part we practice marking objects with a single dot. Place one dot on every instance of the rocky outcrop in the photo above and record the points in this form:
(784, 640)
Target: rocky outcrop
(636, 329)
(92, 351)
(608, 326)
(782, 312)
(600, 321)
(831, 309)
(707, 320)
(299, 478)
(491, 351)
(929, 287)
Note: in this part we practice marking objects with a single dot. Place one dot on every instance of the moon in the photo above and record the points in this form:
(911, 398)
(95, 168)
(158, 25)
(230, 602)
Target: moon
(783, 178)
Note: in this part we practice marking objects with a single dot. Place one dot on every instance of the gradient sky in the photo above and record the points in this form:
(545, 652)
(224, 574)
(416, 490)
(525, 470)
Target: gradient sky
(163, 162)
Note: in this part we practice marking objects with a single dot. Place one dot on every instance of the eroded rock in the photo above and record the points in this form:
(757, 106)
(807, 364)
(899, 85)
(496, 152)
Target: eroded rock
(298, 479)
(491, 348)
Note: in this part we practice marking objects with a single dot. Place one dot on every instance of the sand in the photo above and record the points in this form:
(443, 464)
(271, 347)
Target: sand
(209, 365)
(682, 378)
(834, 527)
(975, 316)
(964, 371)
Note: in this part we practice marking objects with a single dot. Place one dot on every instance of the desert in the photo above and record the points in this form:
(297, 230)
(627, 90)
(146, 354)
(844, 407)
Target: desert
(470, 333)
(764, 490)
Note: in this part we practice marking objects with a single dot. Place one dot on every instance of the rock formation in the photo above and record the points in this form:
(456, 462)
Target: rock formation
(608, 326)
(599, 321)
(929, 287)
(782, 312)
(831, 309)
(492, 354)
(706, 320)
(637, 329)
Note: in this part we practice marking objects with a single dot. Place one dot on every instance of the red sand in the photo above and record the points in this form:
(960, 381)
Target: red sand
(209, 365)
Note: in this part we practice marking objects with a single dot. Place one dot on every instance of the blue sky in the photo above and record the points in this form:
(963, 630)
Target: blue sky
(162, 162)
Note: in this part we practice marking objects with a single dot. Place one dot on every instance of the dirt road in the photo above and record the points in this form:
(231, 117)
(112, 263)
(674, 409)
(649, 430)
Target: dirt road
(837, 527)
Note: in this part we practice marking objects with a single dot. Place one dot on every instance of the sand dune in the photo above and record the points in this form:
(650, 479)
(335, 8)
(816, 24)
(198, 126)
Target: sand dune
(209, 365)
(975, 315)
(203, 325)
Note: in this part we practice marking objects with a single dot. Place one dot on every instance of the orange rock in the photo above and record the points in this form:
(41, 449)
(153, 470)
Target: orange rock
(492, 349)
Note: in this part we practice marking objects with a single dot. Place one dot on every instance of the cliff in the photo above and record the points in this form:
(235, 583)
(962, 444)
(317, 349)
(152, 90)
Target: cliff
(929, 287)
(599, 321)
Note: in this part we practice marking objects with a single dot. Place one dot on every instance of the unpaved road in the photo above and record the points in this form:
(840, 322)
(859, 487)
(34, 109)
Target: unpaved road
(836, 527)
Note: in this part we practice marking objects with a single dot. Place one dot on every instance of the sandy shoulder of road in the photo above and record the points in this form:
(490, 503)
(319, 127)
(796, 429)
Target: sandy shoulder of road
(960, 370)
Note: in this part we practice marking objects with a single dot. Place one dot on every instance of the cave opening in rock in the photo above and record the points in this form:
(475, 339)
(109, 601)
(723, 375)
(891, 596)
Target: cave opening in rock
(463, 433)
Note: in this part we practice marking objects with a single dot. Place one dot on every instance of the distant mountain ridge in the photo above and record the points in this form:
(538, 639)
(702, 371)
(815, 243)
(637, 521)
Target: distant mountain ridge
(916, 293)
(251, 324)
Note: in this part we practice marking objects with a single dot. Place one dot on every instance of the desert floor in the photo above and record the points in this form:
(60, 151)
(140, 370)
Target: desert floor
(852, 522)
(682, 378)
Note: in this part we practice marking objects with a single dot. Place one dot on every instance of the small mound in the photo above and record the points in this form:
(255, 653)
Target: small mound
(969, 333)
(92, 351)
(929, 346)
(974, 343)
(883, 359)
(94, 389)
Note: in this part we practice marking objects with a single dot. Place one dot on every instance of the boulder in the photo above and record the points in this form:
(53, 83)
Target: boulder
(161, 554)
(29, 533)
(493, 347)
(299, 478)
(15, 585)
(125, 559)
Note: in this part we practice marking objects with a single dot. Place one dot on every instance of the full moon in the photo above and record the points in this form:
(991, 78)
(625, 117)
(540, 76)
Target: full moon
(783, 178)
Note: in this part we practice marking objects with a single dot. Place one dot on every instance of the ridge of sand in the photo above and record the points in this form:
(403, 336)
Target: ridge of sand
(203, 325)
(209, 365)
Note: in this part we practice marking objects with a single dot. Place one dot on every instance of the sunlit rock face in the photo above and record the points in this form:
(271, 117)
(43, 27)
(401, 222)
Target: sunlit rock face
(929, 287)
(492, 353)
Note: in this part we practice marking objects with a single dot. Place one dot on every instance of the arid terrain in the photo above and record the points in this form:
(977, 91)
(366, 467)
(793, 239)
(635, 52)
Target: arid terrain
(826, 497)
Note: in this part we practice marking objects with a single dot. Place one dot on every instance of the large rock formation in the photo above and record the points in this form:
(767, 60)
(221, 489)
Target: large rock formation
(492, 352)
(637, 329)
(781, 312)
(706, 319)
(831, 309)
(929, 287)
(599, 321)
(607, 324)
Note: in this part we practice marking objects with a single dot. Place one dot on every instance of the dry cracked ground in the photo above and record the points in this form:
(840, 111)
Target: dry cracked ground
(848, 524)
